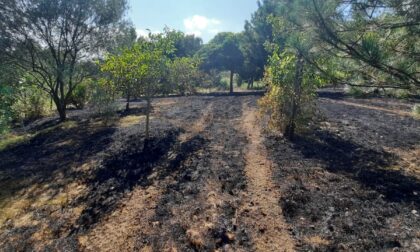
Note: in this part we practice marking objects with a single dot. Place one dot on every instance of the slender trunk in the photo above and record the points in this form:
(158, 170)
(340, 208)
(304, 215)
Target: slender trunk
(252, 82)
(60, 97)
(148, 117)
(291, 126)
(127, 106)
(231, 81)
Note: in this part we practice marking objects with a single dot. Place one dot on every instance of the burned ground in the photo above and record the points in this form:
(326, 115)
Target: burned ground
(207, 180)
(345, 185)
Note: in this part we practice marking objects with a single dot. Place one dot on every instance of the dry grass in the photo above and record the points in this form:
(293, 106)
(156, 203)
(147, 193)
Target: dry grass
(129, 121)
(317, 241)
(409, 160)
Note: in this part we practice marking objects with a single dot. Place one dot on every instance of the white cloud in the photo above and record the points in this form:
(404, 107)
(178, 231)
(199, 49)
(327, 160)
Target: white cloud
(197, 25)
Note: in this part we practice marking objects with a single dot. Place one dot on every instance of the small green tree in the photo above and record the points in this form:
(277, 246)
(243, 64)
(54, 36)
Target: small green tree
(290, 97)
(141, 68)
(152, 62)
(184, 75)
(291, 75)
(120, 68)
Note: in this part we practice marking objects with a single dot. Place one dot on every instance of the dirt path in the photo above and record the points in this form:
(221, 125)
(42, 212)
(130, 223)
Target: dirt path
(260, 210)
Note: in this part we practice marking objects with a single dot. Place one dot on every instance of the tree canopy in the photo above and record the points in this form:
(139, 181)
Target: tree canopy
(223, 53)
(53, 39)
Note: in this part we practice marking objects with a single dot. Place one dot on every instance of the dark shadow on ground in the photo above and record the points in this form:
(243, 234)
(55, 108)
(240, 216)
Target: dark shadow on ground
(130, 166)
(338, 195)
(357, 162)
(52, 151)
(134, 111)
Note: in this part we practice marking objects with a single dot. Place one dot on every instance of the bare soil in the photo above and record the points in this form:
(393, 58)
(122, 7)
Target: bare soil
(213, 178)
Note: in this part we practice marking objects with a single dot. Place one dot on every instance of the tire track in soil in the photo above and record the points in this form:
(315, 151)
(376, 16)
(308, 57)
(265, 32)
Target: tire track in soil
(134, 217)
(197, 211)
(206, 204)
(260, 210)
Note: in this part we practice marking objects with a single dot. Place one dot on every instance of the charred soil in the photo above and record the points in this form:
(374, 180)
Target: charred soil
(211, 178)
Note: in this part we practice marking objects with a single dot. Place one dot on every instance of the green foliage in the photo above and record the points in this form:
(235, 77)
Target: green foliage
(222, 53)
(257, 32)
(80, 95)
(52, 40)
(6, 99)
(102, 101)
(29, 102)
(212, 79)
(184, 75)
(184, 45)
(9, 140)
(283, 97)
(141, 68)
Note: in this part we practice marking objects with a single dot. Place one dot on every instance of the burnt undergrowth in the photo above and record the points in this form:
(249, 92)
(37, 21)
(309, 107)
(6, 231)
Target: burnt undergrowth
(128, 166)
(339, 195)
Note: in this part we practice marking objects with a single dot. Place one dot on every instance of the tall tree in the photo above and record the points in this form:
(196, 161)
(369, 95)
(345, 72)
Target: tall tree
(223, 53)
(55, 37)
(257, 32)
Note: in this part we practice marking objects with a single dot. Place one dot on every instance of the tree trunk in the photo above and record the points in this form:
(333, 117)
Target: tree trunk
(148, 117)
(291, 126)
(127, 106)
(61, 108)
(231, 81)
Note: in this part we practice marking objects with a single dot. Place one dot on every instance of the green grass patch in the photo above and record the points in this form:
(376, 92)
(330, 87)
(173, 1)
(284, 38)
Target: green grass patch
(10, 140)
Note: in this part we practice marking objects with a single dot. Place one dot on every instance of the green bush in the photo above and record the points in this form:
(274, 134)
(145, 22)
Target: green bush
(102, 101)
(5, 110)
(30, 103)
(80, 95)
(286, 107)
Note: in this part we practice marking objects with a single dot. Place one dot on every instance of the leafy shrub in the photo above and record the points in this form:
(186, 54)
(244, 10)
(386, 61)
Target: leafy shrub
(80, 95)
(212, 79)
(5, 110)
(184, 75)
(402, 94)
(285, 106)
(102, 101)
(30, 103)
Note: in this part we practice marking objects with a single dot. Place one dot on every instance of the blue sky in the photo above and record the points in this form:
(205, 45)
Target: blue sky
(203, 18)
